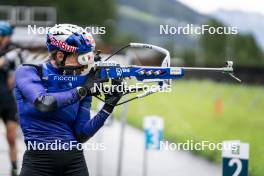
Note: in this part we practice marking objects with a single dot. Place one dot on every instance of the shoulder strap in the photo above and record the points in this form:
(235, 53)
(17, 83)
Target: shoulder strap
(38, 67)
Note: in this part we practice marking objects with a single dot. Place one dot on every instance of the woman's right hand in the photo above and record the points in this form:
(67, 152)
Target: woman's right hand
(93, 82)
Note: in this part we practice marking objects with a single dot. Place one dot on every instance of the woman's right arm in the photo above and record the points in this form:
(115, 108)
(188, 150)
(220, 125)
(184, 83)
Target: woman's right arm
(30, 84)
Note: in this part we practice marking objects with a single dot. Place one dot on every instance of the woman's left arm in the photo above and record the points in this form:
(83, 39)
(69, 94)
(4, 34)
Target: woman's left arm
(85, 126)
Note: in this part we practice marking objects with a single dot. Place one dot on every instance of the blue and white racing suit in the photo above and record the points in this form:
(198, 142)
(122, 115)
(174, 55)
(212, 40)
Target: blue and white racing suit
(71, 121)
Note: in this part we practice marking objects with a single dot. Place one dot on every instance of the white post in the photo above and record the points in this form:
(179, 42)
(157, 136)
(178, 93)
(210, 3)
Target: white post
(123, 117)
(153, 129)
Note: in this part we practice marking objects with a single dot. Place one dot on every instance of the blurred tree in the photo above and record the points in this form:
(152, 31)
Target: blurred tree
(245, 50)
(125, 39)
(28, 2)
(81, 12)
(169, 45)
(214, 45)
(189, 56)
(242, 48)
(92, 12)
(85, 12)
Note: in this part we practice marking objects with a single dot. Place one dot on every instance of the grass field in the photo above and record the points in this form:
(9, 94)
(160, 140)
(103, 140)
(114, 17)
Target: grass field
(189, 114)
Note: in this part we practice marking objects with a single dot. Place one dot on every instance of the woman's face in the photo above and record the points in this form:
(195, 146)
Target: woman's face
(71, 60)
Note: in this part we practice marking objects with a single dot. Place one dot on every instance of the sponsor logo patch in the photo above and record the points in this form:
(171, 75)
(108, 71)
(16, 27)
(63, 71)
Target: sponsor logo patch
(62, 45)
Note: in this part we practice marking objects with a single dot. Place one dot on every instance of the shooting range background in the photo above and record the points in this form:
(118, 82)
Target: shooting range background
(200, 107)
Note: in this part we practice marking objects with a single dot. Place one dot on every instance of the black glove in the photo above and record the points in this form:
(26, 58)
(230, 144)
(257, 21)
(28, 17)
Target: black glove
(89, 87)
(111, 99)
(93, 80)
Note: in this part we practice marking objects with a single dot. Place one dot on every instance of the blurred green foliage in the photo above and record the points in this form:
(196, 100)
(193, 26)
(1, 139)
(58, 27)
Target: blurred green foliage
(189, 113)
(124, 39)
(214, 45)
(92, 12)
(189, 56)
(242, 48)
(80, 12)
(245, 50)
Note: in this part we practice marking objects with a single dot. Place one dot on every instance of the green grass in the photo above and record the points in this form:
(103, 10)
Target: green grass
(188, 113)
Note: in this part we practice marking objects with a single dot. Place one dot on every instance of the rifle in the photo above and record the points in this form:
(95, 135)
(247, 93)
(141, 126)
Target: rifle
(162, 75)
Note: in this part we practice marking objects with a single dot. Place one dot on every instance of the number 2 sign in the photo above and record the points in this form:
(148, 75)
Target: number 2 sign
(235, 158)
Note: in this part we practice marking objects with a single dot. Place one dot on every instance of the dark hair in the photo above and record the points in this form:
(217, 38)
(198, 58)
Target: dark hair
(53, 54)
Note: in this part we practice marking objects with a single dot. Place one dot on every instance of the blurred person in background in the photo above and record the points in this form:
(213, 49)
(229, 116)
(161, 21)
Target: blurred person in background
(61, 115)
(7, 101)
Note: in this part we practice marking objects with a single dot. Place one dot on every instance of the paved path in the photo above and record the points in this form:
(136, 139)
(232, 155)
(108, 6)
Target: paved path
(104, 163)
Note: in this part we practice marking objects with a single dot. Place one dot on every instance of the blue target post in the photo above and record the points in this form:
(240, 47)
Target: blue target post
(153, 130)
(235, 158)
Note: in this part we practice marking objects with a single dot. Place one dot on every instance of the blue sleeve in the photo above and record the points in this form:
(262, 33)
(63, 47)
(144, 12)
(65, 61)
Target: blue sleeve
(31, 87)
(85, 127)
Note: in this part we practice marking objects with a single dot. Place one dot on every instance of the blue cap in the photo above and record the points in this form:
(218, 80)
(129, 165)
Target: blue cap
(6, 29)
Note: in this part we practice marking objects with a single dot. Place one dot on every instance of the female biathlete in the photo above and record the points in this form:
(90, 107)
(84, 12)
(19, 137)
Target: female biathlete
(61, 117)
